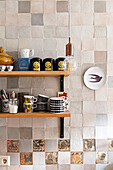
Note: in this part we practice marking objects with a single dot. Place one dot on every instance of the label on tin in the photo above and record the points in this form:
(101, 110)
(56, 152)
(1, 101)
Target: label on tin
(61, 65)
(47, 66)
(36, 66)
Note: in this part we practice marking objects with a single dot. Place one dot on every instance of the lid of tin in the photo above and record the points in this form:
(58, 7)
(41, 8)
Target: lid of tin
(60, 58)
(48, 59)
(36, 58)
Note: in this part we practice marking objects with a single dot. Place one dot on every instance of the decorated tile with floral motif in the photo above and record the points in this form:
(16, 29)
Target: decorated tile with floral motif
(13, 146)
(51, 157)
(76, 157)
(110, 144)
(64, 145)
(101, 158)
(89, 144)
(38, 145)
(26, 158)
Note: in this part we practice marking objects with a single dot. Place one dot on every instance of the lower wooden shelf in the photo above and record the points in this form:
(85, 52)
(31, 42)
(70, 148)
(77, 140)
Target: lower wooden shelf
(35, 114)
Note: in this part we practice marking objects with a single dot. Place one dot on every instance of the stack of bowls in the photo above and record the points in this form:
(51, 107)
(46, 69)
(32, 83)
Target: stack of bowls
(56, 105)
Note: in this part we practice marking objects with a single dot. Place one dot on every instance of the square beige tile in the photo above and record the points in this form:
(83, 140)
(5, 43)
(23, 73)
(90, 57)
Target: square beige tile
(49, 6)
(100, 56)
(64, 158)
(37, 7)
(110, 144)
(100, 7)
(102, 145)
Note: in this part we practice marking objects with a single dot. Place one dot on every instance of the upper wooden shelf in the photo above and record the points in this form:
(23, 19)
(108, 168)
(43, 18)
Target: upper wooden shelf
(35, 114)
(33, 73)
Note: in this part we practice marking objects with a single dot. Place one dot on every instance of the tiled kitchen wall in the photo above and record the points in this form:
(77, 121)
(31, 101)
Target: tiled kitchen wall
(43, 25)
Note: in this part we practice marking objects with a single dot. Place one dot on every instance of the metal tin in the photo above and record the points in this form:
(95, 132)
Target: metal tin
(48, 64)
(24, 64)
(60, 64)
(36, 64)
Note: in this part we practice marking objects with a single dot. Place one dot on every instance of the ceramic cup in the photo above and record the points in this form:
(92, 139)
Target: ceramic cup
(2, 68)
(5, 105)
(9, 68)
(28, 107)
(26, 53)
(29, 99)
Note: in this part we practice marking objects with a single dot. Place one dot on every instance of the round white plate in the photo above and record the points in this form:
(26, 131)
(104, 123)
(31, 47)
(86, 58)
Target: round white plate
(94, 78)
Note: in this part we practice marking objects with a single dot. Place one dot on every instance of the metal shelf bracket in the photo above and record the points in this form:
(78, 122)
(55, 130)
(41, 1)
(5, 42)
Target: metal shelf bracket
(62, 118)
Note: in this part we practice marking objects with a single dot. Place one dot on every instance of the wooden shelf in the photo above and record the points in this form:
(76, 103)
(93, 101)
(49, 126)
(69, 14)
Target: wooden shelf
(33, 73)
(35, 114)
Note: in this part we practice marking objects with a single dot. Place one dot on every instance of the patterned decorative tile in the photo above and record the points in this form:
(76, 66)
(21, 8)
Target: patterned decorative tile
(38, 145)
(51, 157)
(101, 158)
(13, 145)
(76, 157)
(89, 144)
(26, 158)
(64, 145)
(110, 144)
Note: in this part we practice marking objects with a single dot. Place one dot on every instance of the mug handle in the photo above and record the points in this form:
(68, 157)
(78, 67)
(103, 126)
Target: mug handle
(31, 52)
(35, 99)
(34, 106)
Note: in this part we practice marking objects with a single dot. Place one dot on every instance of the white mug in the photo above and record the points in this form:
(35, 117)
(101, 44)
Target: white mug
(26, 53)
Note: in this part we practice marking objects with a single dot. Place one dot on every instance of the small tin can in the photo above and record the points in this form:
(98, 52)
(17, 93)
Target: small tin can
(36, 64)
(24, 64)
(60, 64)
(48, 64)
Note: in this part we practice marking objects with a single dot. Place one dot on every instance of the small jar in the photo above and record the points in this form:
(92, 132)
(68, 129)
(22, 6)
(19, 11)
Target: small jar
(13, 105)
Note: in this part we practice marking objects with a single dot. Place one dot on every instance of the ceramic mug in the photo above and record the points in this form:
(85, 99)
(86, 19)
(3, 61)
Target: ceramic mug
(26, 53)
(5, 105)
(29, 99)
(28, 107)
(2, 68)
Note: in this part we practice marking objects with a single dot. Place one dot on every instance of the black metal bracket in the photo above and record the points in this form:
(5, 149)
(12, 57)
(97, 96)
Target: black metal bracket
(62, 118)
(62, 83)
(62, 127)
